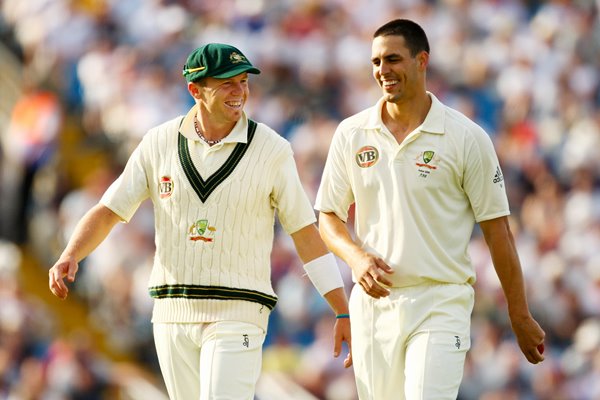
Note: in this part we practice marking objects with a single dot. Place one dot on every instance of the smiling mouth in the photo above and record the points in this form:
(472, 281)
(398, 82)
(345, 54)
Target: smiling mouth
(388, 84)
(234, 104)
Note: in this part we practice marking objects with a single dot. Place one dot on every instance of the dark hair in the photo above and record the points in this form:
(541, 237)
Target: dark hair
(414, 35)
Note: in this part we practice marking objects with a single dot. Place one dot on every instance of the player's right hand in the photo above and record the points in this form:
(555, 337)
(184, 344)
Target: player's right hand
(64, 268)
(370, 272)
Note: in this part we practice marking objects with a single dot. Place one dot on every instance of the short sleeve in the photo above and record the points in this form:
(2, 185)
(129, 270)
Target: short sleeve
(483, 179)
(126, 193)
(288, 195)
(335, 191)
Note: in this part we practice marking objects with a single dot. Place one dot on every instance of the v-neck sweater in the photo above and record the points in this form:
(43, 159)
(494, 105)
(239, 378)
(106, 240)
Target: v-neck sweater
(213, 234)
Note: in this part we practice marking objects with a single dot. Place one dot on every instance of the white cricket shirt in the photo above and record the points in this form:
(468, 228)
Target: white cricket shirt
(416, 202)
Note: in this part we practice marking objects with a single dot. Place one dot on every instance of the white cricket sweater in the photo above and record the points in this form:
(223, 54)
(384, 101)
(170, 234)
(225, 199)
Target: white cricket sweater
(214, 234)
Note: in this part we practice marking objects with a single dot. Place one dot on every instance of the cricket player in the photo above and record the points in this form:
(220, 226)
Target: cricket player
(420, 175)
(216, 179)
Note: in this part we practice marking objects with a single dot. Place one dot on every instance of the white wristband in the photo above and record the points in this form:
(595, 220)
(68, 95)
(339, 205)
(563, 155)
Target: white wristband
(324, 273)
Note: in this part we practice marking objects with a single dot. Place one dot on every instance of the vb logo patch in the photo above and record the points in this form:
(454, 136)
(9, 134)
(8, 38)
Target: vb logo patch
(201, 230)
(165, 187)
(367, 156)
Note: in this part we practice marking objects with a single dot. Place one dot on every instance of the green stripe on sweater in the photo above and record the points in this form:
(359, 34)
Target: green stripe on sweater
(212, 292)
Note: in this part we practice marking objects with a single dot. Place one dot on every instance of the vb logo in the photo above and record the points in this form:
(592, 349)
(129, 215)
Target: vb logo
(367, 156)
(165, 187)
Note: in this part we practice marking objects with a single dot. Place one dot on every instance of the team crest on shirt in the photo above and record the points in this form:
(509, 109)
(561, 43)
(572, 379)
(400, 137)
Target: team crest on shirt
(426, 161)
(165, 187)
(367, 156)
(201, 230)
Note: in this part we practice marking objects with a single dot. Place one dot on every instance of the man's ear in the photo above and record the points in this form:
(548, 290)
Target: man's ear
(423, 60)
(193, 89)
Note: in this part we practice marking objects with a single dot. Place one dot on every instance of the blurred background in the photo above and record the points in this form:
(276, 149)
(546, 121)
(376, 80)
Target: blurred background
(82, 80)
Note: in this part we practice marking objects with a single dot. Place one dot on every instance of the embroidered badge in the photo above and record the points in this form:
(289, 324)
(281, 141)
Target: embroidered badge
(236, 58)
(165, 187)
(426, 162)
(200, 230)
(426, 157)
(367, 156)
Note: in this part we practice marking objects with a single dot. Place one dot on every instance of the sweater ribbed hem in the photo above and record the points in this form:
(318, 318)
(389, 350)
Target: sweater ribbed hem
(177, 310)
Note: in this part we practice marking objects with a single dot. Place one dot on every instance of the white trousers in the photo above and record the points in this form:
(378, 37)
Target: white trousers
(209, 361)
(412, 344)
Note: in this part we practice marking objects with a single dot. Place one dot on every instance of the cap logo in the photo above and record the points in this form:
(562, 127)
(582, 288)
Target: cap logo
(236, 58)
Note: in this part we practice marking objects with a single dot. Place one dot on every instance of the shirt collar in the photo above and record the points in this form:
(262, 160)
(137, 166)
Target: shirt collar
(239, 133)
(433, 123)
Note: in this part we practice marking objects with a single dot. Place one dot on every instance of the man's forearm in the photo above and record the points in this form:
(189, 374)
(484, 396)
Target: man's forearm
(90, 231)
(337, 301)
(507, 265)
(336, 236)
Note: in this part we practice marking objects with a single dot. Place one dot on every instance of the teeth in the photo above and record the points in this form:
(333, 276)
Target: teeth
(389, 83)
(234, 103)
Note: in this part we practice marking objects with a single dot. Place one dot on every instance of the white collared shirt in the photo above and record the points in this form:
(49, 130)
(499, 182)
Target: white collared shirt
(415, 202)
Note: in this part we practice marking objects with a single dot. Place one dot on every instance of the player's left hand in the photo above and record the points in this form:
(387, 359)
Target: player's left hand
(371, 273)
(530, 337)
(342, 334)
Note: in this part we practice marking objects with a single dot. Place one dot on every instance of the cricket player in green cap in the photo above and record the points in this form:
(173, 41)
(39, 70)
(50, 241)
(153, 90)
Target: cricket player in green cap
(216, 179)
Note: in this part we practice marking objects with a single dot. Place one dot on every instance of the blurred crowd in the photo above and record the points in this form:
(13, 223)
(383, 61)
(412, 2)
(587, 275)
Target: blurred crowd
(97, 74)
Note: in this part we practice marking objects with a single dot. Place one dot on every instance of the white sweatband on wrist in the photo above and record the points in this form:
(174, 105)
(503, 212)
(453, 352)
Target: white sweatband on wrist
(324, 273)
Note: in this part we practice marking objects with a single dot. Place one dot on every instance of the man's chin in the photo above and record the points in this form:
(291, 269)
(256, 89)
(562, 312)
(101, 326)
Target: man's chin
(391, 97)
(235, 115)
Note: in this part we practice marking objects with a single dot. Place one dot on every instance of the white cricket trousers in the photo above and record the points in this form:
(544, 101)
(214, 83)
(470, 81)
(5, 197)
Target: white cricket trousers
(412, 344)
(209, 361)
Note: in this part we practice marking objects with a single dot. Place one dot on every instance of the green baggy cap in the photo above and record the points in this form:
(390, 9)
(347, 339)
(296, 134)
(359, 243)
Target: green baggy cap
(218, 61)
